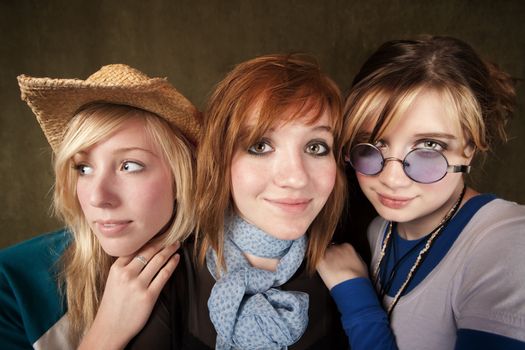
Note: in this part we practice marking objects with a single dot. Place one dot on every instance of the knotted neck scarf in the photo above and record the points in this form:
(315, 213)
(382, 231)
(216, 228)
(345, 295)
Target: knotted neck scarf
(246, 308)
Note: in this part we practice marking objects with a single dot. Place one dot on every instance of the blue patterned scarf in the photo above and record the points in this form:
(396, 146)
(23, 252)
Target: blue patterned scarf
(246, 308)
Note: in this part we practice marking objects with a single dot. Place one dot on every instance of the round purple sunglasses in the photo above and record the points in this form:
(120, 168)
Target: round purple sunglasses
(420, 164)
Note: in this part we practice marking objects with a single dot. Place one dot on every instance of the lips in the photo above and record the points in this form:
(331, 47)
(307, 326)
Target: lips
(112, 227)
(394, 202)
(290, 205)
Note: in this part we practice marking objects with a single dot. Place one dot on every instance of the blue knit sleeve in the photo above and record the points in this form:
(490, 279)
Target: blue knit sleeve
(364, 320)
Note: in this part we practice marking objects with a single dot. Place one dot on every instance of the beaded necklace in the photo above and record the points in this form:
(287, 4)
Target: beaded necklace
(421, 256)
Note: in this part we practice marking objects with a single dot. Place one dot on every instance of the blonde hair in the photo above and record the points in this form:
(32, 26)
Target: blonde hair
(478, 95)
(85, 265)
(274, 84)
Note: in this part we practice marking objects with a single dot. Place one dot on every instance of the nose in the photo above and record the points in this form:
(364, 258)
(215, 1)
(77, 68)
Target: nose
(103, 192)
(393, 175)
(290, 171)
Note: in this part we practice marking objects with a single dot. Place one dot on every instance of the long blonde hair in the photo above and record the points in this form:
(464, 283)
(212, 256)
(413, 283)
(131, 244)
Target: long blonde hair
(85, 265)
(276, 83)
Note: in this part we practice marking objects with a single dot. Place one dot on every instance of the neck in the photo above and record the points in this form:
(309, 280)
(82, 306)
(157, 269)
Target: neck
(422, 226)
(267, 264)
(260, 249)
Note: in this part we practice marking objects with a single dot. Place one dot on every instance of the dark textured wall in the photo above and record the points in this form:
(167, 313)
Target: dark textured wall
(195, 42)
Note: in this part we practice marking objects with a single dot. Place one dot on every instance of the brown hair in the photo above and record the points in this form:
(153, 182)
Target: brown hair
(480, 96)
(273, 83)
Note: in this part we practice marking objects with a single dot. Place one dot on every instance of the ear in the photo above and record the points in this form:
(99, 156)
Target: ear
(469, 151)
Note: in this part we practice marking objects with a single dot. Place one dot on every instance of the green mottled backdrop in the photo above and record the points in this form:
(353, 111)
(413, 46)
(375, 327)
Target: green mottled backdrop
(195, 42)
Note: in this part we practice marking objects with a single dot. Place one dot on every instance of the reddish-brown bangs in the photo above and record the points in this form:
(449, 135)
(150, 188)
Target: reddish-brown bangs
(254, 97)
(271, 112)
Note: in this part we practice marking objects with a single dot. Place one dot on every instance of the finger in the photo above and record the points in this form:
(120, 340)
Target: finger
(164, 274)
(136, 265)
(331, 251)
(142, 258)
(157, 262)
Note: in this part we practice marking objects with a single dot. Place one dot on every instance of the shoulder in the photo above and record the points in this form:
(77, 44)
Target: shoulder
(183, 304)
(491, 284)
(43, 250)
(31, 302)
(33, 260)
(494, 240)
(499, 223)
(32, 266)
(376, 227)
(500, 212)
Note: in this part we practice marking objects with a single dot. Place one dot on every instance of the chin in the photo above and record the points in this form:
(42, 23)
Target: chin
(289, 232)
(393, 215)
(117, 250)
(116, 253)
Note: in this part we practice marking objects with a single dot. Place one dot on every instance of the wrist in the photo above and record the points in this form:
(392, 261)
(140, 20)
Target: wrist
(338, 278)
(100, 337)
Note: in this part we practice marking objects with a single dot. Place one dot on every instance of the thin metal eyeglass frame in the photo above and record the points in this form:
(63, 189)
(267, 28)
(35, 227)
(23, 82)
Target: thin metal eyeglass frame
(450, 168)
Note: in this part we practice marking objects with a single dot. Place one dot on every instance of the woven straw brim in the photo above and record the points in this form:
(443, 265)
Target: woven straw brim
(56, 101)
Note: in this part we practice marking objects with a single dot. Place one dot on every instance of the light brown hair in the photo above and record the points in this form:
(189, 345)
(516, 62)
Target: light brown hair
(275, 84)
(479, 96)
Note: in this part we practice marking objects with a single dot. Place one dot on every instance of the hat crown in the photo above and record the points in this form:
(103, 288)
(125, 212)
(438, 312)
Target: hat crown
(117, 74)
(56, 101)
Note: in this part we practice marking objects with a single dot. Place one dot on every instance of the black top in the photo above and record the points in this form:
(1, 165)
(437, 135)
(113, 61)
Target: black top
(180, 319)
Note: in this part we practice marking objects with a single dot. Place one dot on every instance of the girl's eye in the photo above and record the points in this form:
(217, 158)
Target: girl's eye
(260, 148)
(83, 169)
(317, 149)
(131, 167)
(431, 144)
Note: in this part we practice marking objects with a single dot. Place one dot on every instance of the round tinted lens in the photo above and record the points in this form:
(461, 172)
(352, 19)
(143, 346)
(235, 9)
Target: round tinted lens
(366, 159)
(425, 165)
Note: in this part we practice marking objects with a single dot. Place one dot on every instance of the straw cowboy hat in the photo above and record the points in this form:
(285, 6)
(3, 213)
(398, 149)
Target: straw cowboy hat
(56, 101)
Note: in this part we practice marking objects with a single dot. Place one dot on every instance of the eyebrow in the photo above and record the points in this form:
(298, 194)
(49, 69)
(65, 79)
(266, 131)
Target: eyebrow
(125, 150)
(437, 135)
(326, 128)
(247, 130)
(323, 128)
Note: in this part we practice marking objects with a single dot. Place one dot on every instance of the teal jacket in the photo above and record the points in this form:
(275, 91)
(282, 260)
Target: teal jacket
(31, 305)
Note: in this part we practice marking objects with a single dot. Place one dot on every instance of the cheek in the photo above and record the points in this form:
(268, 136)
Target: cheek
(241, 192)
(367, 184)
(443, 189)
(82, 192)
(326, 178)
(361, 179)
(246, 178)
(154, 197)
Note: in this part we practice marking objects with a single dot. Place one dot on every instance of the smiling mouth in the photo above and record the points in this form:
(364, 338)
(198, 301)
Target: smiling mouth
(290, 205)
(394, 203)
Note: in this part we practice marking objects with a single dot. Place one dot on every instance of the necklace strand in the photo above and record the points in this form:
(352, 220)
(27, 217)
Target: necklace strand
(421, 255)
(387, 283)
